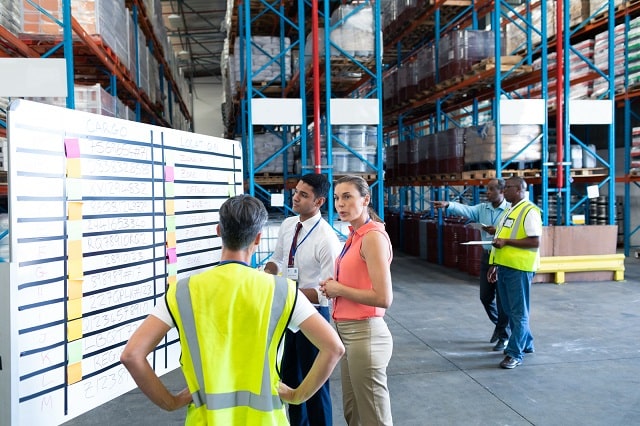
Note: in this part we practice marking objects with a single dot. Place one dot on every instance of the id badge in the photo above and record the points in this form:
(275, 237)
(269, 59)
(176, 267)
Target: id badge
(292, 274)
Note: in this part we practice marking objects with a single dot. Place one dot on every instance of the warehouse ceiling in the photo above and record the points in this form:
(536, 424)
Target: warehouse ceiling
(197, 31)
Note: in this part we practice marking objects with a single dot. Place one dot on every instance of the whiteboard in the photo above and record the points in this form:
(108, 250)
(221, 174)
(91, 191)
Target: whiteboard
(104, 214)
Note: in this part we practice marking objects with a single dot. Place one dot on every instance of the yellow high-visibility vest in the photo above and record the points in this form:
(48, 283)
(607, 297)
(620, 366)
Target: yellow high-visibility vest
(231, 319)
(512, 227)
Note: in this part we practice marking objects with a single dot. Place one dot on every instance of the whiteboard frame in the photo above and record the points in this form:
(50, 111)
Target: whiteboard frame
(60, 122)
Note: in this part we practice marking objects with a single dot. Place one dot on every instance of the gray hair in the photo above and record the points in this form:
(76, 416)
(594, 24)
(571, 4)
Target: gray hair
(241, 220)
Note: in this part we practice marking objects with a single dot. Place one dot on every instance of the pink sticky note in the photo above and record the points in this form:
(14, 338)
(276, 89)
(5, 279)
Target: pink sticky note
(171, 255)
(72, 148)
(169, 175)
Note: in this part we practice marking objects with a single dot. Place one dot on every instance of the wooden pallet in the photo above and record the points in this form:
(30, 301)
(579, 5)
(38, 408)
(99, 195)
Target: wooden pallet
(441, 177)
(369, 177)
(604, 15)
(584, 172)
(448, 83)
(594, 171)
(479, 174)
(269, 179)
(522, 173)
(504, 60)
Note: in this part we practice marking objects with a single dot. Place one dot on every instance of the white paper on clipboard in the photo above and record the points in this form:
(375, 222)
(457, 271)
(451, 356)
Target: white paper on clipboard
(476, 243)
(478, 225)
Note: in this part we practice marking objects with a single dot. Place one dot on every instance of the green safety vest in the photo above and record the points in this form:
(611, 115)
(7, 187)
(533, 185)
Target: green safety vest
(512, 227)
(231, 319)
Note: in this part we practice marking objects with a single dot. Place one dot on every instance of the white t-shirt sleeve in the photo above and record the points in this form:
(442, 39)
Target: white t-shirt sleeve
(302, 310)
(161, 311)
(533, 224)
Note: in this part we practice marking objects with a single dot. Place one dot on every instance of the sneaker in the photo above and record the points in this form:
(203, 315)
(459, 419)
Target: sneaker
(509, 363)
(501, 345)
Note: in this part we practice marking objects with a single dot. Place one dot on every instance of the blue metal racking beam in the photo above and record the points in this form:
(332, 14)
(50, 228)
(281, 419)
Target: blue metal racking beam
(609, 74)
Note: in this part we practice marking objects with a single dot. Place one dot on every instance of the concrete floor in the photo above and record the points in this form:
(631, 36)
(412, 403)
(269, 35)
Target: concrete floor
(586, 369)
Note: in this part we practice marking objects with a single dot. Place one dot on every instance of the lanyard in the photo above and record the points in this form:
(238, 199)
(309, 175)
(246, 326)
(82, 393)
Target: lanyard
(294, 249)
(491, 212)
(345, 249)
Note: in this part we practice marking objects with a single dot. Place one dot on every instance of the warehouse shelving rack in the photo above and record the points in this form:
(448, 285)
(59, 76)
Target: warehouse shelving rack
(110, 72)
(257, 18)
(630, 180)
(432, 110)
(431, 107)
(564, 186)
(294, 19)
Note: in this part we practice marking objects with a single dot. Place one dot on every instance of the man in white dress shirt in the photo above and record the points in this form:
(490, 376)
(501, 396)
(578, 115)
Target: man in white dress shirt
(306, 252)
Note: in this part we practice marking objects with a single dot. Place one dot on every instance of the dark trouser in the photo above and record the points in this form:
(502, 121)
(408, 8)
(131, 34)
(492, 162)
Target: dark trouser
(490, 298)
(297, 359)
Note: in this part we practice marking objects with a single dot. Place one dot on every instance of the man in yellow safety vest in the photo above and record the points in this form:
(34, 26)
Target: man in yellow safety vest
(516, 257)
(231, 320)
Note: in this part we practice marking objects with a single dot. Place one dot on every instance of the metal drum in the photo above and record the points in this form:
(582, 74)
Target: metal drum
(474, 253)
(432, 241)
(452, 233)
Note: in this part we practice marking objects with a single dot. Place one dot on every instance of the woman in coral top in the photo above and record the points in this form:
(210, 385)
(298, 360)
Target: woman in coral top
(361, 291)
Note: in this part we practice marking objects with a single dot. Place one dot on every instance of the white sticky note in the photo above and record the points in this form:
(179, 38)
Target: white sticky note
(277, 200)
(593, 191)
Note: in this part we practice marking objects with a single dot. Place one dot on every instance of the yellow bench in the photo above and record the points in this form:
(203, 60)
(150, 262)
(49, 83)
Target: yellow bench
(559, 265)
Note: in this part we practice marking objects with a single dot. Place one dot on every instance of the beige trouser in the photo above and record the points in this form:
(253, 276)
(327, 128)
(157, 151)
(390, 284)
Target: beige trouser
(365, 395)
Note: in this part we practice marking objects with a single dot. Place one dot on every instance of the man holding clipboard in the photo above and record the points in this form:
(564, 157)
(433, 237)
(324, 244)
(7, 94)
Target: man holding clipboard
(486, 214)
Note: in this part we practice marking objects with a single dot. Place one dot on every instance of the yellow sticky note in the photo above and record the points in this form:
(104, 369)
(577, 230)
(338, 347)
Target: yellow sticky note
(171, 239)
(74, 289)
(74, 210)
(74, 330)
(74, 308)
(73, 168)
(75, 269)
(74, 373)
(74, 250)
(169, 207)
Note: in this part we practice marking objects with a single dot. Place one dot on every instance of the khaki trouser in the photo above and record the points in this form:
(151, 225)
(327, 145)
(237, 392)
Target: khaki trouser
(365, 395)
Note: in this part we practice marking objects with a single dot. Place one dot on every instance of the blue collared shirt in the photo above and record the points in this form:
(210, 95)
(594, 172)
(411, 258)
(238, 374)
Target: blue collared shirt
(483, 213)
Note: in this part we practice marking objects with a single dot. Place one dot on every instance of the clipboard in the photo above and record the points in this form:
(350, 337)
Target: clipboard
(476, 243)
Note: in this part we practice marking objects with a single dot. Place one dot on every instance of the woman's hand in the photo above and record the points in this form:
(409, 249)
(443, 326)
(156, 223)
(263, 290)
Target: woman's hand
(330, 287)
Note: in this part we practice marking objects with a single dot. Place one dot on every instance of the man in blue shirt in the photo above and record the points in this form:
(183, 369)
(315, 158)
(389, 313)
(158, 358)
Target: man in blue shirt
(487, 214)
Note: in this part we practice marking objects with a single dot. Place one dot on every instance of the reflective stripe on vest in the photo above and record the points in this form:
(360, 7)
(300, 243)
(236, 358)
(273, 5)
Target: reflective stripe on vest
(263, 402)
